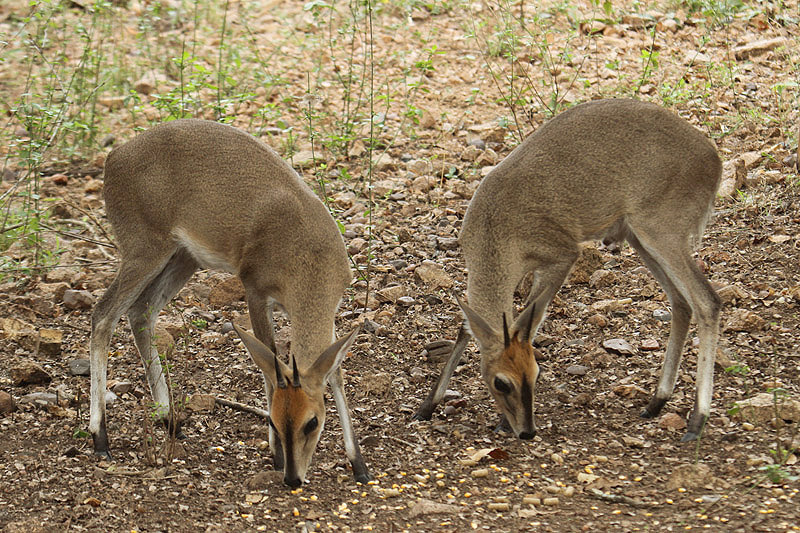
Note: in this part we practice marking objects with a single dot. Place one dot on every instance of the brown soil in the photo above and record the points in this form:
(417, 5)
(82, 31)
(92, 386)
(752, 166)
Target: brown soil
(609, 469)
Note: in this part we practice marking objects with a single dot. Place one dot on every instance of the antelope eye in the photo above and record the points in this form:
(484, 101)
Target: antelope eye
(502, 385)
(310, 426)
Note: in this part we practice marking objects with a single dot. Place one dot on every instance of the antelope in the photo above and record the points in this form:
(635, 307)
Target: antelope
(195, 194)
(610, 169)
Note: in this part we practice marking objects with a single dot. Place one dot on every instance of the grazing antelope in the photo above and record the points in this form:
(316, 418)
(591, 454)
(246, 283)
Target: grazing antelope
(610, 169)
(189, 194)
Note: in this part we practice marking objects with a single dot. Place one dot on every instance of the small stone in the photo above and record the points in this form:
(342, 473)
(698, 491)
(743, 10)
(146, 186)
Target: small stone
(480, 473)
(598, 320)
(28, 374)
(263, 480)
(744, 320)
(619, 346)
(418, 167)
(417, 374)
(649, 345)
(550, 501)
(633, 442)
(201, 403)
(406, 301)
(662, 315)
(7, 404)
(602, 278)
(422, 184)
(79, 367)
(40, 398)
(49, 342)
(384, 162)
(629, 391)
(78, 299)
(672, 421)
(577, 370)
(150, 82)
(433, 274)
(446, 243)
(398, 264)
(356, 245)
(123, 387)
(391, 294)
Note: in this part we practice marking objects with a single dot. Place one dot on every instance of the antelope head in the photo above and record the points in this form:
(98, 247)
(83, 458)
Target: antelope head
(508, 366)
(297, 403)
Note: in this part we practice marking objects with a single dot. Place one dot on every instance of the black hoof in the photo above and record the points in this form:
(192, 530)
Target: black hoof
(423, 413)
(363, 478)
(103, 454)
(690, 436)
(646, 414)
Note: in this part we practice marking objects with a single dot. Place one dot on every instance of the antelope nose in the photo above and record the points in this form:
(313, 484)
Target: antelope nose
(293, 482)
(527, 435)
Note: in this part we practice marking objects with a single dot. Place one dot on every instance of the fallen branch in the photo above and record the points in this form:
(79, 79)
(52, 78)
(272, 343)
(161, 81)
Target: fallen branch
(242, 407)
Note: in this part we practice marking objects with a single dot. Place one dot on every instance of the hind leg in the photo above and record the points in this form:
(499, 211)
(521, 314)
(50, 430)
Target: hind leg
(134, 275)
(679, 328)
(674, 257)
(142, 317)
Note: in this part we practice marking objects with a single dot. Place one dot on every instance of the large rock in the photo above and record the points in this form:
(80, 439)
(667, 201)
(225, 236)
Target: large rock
(690, 476)
(766, 408)
(201, 403)
(744, 320)
(49, 342)
(28, 373)
(78, 299)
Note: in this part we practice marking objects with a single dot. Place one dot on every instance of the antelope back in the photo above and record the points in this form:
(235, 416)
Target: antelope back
(236, 206)
(297, 406)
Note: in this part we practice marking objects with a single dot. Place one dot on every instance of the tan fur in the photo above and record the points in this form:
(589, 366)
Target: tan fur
(616, 169)
(192, 194)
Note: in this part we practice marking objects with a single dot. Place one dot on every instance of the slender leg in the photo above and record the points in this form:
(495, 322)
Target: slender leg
(142, 317)
(260, 308)
(436, 394)
(679, 328)
(678, 265)
(132, 278)
(360, 471)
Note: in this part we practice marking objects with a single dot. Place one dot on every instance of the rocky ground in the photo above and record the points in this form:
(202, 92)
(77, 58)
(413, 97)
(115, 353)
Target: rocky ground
(594, 464)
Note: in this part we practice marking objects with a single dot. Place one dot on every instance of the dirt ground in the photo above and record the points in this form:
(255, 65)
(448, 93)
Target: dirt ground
(594, 464)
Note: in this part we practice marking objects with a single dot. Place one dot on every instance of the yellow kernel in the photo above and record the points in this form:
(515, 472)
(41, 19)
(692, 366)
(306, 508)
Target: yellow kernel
(637, 478)
(681, 489)
(669, 501)
(295, 512)
(616, 511)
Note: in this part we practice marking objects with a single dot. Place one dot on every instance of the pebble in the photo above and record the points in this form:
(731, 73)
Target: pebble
(531, 500)
(40, 398)
(78, 299)
(550, 501)
(577, 370)
(662, 315)
(79, 367)
(481, 472)
(406, 301)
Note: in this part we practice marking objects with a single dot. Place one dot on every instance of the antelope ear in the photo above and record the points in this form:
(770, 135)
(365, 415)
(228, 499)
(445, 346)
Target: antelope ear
(274, 370)
(486, 336)
(523, 323)
(327, 363)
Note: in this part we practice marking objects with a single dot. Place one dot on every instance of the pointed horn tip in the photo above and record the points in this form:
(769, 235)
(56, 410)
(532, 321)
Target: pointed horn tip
(295, 373)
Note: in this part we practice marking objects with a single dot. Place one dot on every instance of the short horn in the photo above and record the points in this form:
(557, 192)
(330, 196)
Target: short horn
(506, 339)
(527, 322)
(295, 373)
(279, 379)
